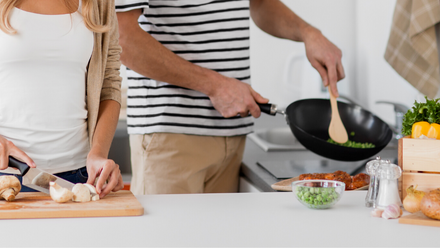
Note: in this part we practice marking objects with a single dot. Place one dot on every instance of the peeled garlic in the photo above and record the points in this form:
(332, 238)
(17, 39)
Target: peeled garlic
(377, 212)
(392, 211)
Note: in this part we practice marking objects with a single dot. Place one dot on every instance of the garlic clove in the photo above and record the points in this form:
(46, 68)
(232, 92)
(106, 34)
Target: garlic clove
(81, 193)
(59, 194)
(392, 211)
(377, 212)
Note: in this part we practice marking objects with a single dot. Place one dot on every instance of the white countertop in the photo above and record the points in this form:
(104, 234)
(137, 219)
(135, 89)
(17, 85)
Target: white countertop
(239, 219)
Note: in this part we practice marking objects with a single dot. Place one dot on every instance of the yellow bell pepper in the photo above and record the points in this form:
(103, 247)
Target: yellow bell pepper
(424, 128)
(420, 128)
(434, 131)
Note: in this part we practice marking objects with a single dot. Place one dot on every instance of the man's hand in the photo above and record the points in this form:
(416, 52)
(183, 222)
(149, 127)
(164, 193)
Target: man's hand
(232, 97)
(325, 57)
(275, 18)
(145, 55)
(106, 170)
(7, 148)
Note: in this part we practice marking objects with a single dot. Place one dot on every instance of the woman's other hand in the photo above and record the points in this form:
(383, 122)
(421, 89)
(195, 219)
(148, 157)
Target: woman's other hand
(7, 148)
(107, 171)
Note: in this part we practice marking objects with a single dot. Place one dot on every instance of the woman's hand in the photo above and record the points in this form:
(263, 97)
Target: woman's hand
(106, 170)
(7, 148)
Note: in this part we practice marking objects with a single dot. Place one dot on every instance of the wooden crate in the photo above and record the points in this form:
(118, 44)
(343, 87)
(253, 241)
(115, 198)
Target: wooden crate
(419, 160)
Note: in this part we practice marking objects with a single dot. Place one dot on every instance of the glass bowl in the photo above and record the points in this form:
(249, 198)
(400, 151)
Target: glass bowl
(318, 194)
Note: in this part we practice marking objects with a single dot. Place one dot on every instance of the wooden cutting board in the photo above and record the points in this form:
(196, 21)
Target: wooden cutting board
(418, 218)
(40, 205)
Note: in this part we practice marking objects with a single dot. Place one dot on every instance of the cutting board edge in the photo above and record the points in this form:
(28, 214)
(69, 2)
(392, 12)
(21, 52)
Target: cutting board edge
(39, 205)
(72, 214)
(418, 218)
(419, 222)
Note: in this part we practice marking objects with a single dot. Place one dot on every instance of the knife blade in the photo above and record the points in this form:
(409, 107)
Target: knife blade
(37, 179)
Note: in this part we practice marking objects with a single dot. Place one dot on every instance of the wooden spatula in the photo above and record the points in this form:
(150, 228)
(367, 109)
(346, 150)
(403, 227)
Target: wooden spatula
(336, 129)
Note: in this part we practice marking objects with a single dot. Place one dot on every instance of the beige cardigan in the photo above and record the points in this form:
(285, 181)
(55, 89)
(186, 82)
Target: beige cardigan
(103, 80)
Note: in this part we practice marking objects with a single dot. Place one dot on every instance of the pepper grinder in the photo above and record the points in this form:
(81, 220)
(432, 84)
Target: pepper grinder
(371, 168)
(388, 193)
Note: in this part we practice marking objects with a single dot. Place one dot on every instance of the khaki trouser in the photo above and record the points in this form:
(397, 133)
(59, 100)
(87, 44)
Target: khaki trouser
(168, 163)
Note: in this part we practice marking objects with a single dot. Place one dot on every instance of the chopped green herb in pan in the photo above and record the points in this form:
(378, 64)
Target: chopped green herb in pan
(353, 144)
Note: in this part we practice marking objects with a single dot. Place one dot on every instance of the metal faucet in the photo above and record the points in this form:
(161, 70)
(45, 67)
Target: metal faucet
(400, 110)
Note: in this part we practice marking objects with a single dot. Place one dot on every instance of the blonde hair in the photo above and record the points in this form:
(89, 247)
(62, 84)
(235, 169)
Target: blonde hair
(86, 11)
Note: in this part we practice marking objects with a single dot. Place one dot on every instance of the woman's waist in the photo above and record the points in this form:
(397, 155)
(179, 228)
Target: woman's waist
(26, 136)
(54, 149)
(34, 124)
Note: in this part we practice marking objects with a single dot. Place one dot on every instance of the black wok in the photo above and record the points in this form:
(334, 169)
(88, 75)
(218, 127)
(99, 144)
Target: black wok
(309, 120)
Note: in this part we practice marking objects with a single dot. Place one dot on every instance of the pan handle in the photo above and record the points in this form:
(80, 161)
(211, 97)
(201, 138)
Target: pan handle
(268, 108)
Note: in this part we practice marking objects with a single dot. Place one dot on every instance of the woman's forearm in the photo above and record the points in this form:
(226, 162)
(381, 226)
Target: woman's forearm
(105, 128)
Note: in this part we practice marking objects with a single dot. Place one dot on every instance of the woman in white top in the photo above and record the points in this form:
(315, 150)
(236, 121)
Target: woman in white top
(60, 88)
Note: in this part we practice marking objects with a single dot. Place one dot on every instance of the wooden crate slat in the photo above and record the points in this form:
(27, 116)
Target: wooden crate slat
(419, 154)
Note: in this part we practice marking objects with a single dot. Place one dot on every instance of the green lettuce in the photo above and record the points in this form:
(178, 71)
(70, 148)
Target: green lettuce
(428, 111)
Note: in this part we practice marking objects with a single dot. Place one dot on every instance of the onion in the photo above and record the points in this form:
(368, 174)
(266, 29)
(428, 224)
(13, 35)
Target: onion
(411, 203)
(430, 204)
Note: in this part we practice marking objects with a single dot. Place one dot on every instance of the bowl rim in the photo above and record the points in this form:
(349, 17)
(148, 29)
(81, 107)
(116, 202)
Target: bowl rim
(338, 183)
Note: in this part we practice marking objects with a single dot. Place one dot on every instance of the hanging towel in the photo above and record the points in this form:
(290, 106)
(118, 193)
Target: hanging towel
(412, 45)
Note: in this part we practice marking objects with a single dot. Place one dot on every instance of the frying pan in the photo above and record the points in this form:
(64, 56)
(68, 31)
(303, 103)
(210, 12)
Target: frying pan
(309, 120)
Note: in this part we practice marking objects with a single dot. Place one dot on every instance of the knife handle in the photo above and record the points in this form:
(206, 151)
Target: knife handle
(22, 167)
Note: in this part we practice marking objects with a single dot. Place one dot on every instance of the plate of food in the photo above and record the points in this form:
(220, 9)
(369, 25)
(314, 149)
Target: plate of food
(360, 181)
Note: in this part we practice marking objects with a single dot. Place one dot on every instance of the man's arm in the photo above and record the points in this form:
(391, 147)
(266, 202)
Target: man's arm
(275, 18)
(145, 55)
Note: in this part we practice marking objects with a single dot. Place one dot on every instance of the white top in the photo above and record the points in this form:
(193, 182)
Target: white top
(211, 34)
(226, 220)
(42, 81)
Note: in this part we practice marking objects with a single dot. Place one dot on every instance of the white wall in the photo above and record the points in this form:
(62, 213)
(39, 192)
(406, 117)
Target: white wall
(360, 29)
(337, 21)
(377, 80)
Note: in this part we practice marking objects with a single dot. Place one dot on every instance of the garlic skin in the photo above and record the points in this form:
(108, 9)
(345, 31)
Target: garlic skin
(59, 194)
(392, 211)
(377, 212)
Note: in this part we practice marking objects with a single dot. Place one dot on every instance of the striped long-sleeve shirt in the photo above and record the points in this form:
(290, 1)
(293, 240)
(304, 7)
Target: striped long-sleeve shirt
(210, 33)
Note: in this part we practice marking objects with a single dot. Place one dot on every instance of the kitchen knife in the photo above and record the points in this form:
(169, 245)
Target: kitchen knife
(37, 179)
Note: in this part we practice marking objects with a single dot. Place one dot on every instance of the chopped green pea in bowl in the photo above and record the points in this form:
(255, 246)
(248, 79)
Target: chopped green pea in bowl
(318, 194)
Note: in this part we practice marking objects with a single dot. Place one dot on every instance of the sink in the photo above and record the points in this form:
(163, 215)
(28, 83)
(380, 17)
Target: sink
(276, 139)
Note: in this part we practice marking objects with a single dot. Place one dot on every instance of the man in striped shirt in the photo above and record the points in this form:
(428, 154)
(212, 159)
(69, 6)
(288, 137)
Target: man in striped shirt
(190, 102)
